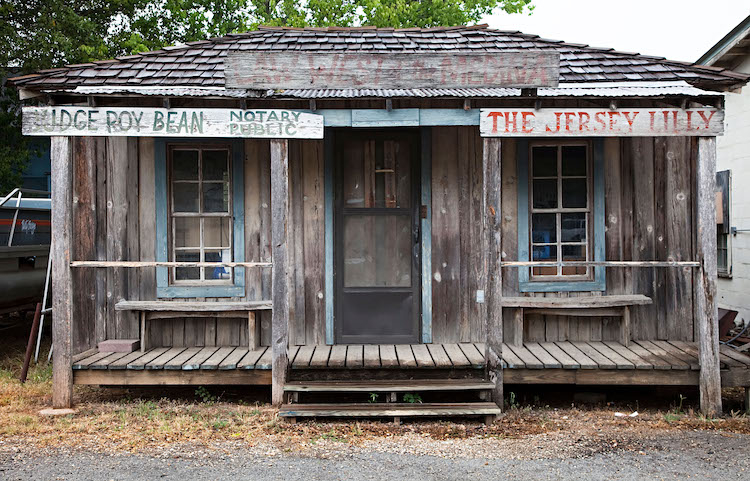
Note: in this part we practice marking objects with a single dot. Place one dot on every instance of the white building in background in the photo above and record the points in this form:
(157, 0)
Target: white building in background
(733, 175)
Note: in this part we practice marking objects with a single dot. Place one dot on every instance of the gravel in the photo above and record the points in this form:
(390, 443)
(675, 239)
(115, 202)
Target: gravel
(557, 456)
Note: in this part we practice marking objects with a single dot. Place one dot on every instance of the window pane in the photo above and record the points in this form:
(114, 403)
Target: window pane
(574, 193)
(216, 165)
(354, 176)
(185, 164)
(217, 273)
(215, 197)
(574, 160)
(545, 194)
(574, 253)
(187, 273)
(545, 253)
(573, 227)
(187, 232)
(377, 251)
(543, 228)
(392, 175)
(185, 197)
(545, 161)
(217, 232)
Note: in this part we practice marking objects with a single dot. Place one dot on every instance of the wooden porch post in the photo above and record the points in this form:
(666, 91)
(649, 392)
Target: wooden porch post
(491, 187)
(62, 279)
(280, 280)
(706, 309)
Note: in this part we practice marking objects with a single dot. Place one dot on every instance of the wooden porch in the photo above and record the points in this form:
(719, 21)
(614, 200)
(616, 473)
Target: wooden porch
(585, 363)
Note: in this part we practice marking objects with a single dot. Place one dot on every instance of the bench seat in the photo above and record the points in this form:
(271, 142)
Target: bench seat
(153, 310)
(617, 306)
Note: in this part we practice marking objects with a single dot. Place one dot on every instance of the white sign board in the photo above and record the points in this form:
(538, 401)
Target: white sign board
(153, 122)
(600, 122)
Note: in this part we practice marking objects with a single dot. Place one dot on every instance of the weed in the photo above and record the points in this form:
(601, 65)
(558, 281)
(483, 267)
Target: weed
(205, 395)
(412, 398)
(512, 404)
(373, 397)
(219, 424)
(671, 417)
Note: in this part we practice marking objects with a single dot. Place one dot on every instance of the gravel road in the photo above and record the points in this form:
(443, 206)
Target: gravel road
(672, 455)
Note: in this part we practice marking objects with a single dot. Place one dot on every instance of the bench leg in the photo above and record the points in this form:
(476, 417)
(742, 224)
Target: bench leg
(625, 327)
(516, 335)
(253, 335)
(144, 333)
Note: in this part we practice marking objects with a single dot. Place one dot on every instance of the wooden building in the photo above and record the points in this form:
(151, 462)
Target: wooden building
(435, 211)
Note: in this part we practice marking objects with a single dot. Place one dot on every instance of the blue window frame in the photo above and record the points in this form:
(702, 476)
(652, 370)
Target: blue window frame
(166, 289)
(550, 243)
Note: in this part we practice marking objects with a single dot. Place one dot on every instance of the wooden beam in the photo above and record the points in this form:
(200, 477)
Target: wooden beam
(62, 278)
(280, 280)
(706, 309)
(491, 183)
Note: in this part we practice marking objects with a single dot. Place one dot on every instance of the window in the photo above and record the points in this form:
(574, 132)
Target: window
(199, 200)
(560, 209)
(200, 213)
(722, 257)
(561, 214)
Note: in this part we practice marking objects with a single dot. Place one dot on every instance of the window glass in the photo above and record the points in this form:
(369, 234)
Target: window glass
(377, 251)
(185, 164)
(544, 162)
(185, 197)
(545, 193)
(574, 161)
(377, 174)
(574, 193)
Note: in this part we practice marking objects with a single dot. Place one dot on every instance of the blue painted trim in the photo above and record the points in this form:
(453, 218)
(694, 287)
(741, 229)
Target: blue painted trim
(437, 117)
(600, 281)
(397, 117)
(385, 118)
(426, 234)
(328, 219)
(163, 289)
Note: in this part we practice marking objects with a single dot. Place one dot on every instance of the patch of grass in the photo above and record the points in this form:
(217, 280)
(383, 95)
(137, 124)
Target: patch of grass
(412, 398)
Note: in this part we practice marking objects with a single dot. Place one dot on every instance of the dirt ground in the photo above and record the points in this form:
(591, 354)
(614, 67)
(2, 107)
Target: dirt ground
(538, 424)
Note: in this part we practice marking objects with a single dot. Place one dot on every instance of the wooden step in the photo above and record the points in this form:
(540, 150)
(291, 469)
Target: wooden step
(408, 385)
(361, 410)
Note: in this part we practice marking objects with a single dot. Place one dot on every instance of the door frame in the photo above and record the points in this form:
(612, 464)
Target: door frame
(413, 139)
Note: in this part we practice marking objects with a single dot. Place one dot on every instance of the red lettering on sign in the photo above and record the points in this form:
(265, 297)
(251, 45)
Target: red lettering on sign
(629, 119)
(557, 121)
(584, 121)
(703, 116)
(569, 119)
(494, 116)
(525, 122)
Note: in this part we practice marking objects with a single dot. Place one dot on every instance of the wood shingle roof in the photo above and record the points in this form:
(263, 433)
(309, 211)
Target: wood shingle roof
(201, 64)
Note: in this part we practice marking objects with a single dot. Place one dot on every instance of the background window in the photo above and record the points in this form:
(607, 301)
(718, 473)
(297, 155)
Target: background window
(560, 210)
(200, 203)
(723, 223)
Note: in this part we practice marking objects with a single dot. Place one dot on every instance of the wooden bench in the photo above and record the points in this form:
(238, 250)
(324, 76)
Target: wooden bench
(588, 306)
(153, 310)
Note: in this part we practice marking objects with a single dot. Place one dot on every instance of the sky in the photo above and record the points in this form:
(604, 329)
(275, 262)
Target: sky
(676, 29)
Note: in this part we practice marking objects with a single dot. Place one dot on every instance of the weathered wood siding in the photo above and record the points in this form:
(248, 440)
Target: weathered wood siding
(649, 210)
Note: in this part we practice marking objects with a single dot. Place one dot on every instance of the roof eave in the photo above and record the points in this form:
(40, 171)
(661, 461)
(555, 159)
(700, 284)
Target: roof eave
(723, 46)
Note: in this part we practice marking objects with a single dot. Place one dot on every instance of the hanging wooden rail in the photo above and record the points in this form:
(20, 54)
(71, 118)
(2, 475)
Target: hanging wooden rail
(601, 264)
(139, 264)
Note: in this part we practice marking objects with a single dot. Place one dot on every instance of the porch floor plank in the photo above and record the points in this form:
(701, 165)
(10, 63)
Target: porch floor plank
(320, 356)
(266, 360)
(86, 362)
(679, 354)
(582, 359)
(304, 355)
(439, 356)
(611, 354)
(565, 361)
(731, 353)
(140, 363)
(422, 355)
(103, 363)
(84, 354)
(511, 360)
(471, 352)
(291, 353)
(540, 353)
(354, 355)
(160, 361)
(195, 362)
(177, 362)
(212, 363)
(650, 357)
(603, 361)
(338, 356)
(123, 362)
(692, 349)
(251, 358)
(405, 356)
(628, 354)
(527, 357)
(388, 357)
(458, 358)
(672, 360)
(372, 356)
(231, 361)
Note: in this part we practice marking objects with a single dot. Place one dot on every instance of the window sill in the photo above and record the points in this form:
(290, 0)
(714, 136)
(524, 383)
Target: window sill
(562, 286)
(724, 275)
(200, 291)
